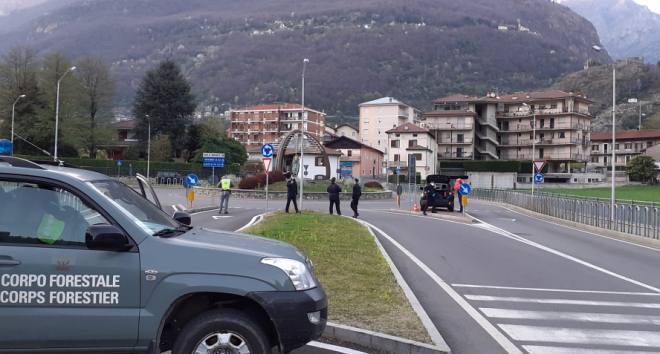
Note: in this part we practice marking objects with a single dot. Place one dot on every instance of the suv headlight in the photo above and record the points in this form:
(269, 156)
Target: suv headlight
(298, 272)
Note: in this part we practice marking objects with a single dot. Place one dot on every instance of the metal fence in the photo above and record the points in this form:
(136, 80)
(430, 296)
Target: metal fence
(641, 220)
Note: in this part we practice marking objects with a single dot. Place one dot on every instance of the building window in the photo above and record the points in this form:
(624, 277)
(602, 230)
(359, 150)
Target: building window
(562, 135)
(412, 143)
(397, 135)
(418, 157)
(594, 159)
(396, 157)
(649, 144)
(553, 106)
(394, 143)
(349, 152)
(459, 138)
(628, 146)
(319, 161)
(616, 147)
(414, 135)
(595, 147)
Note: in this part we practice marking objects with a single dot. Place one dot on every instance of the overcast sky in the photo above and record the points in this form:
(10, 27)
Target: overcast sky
(654, 5)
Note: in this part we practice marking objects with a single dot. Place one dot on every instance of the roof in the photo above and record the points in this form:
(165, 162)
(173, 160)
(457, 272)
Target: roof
(126, 124)
(383, 100)
(515, 97)
(275, 107)
(417, 147)
(346, 125)
(333, 143)
(449, 113)
(408, 128)
(627, 135)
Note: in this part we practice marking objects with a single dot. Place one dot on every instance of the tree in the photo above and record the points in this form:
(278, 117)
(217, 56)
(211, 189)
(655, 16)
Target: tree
(164, 97)
(161, 148)
(642, 168)
(97, 95)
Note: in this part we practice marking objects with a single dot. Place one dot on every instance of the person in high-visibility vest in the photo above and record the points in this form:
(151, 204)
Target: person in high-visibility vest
(225, 185)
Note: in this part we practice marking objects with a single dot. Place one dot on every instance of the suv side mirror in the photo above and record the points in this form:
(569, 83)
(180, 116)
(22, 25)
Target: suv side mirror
(182, 217)
(105, 237)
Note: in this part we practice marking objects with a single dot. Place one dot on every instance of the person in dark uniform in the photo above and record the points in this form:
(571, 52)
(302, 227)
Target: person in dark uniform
(357, 192)
(291, 192)
(333, 195)
(428, 193)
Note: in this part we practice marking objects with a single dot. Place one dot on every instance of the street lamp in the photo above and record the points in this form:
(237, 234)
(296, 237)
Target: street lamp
(302, 141)
(149, 144)
(13, 113)
(613, 197)
(533, 145)
(57, 109)
(635, 100)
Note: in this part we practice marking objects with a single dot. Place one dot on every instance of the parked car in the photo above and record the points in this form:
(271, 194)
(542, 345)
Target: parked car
(88, 264)
(442, 195)
(168, 177)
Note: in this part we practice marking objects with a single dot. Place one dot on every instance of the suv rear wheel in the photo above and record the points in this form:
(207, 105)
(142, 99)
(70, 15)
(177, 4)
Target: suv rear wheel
(222, 332)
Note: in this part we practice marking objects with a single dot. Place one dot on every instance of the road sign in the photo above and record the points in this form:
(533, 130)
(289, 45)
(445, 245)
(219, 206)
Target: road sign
(267, 150)
(539, 178)
(464, 200)
(5, 147)
(267, 161)
(538, 165)
(120, 163)
(191, 180)
(213, 160)
(398, 170)
(465, 189)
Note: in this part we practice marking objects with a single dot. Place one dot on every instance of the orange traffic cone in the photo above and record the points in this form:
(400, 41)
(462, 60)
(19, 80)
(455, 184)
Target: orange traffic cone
(415, 207)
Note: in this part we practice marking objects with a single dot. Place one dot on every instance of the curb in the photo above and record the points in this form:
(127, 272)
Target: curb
(383, 343)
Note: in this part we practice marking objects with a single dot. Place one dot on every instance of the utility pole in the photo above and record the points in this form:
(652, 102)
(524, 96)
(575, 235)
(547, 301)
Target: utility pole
(613, 141)
(302, 135)
(57, 109)
(13, 113)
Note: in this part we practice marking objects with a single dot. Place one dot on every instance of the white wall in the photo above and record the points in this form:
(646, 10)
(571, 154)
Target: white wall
(488, 180)
(320, 170)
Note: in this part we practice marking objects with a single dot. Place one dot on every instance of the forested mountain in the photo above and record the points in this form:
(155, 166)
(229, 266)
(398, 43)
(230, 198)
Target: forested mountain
(239, 52)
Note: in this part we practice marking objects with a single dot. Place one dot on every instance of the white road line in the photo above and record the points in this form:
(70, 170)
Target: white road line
(582, 336)
(571, 316)
(255, 220)
(502, 232)
(584, 231)
(554, 290)
(500, 338)
(646, 305)
(539, 349)
(334, 348)
(175, 208)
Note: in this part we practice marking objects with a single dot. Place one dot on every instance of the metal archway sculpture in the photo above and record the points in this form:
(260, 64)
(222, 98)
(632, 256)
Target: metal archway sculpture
(312, 142)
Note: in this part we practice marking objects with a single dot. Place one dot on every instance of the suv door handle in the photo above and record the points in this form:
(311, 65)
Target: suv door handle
(8, 262)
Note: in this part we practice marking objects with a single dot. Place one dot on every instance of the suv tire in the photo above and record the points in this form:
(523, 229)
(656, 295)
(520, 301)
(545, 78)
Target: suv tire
(240, 327)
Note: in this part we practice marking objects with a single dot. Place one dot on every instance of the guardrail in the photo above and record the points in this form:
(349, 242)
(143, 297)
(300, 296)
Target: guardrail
(641, 220)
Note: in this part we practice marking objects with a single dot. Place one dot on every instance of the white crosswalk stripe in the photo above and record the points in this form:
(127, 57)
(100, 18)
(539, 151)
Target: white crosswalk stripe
(550, 321)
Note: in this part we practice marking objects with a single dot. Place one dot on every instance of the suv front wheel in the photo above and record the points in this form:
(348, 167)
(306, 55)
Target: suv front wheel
(222, 331)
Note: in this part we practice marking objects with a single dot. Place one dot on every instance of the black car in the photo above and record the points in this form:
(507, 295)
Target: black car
(441, 195)
(169, 177)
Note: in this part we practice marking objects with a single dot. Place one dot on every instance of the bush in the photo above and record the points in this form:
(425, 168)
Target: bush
(249, 182)
(373, 184)
(402, 179)
(259, 180)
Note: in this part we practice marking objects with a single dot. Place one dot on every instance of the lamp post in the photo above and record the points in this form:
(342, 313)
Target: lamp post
(149, 145)
(635, 100)
(533, 145)
(13, 113)
(302, 140)
(57, 109)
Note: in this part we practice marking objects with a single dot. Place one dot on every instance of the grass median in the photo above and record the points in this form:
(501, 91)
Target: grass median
(627, 193)
(362, 291)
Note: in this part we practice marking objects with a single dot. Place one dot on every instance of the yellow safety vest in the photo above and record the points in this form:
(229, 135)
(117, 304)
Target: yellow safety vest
(226, 184)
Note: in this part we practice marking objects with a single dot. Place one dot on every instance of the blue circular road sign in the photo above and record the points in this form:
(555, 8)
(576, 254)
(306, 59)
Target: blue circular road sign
(465, 189)
(539, 178)
(191, 180)
(267, 150)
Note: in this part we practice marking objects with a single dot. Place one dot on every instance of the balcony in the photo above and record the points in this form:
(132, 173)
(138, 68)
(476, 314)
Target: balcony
(455, 155)
(446, 126)
(547, 155)
(544, 112)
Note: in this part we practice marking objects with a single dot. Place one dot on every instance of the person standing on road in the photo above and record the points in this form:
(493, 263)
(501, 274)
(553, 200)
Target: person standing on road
(357, 192)
(457, 192)
(426, 196)
(333, 195)
(291, 193)
(225, 185)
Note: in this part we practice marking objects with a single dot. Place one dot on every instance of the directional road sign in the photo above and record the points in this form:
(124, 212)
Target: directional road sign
(539, 178)
(213, 159)
(465, 189)
(191, 180)
(5, 147)
(267, 150)
(538, 165)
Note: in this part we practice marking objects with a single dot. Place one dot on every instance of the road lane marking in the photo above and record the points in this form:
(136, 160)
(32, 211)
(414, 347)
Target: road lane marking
(582, 336)
(562, 301)
(334, 348)
(255, 220)
(498, 336)
(502, 232)
(570, 316)
(553, 290)
(539, 349)
(216, 217)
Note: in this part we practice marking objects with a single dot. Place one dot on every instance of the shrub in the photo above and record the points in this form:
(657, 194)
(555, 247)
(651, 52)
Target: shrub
(373, 184)
(249, 182)
(259, 180)
(402, 179)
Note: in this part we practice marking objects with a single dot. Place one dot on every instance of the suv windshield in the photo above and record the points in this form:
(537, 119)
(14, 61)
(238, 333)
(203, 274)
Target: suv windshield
(146, 214)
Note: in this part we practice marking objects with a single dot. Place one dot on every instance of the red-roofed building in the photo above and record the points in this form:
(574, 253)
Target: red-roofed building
(267, 123)
(629, 144)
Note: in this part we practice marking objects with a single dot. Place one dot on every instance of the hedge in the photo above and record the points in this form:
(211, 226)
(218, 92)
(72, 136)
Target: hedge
(489, 166)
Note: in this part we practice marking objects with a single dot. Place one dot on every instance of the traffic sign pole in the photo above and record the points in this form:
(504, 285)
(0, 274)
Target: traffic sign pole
(267, 153)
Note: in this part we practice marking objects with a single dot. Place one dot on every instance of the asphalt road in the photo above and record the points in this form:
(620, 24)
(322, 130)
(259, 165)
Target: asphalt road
(512, 282)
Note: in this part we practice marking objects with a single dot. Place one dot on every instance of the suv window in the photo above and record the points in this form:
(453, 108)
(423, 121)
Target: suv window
(35, 213)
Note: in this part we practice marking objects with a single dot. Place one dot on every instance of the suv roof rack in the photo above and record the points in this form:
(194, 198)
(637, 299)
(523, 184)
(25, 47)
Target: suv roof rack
(59, 163)
(18, 162)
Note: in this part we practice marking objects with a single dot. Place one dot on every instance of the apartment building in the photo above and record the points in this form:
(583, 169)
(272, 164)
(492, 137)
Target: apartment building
(267, 123)
(628, 145)
(408, 140)
(377, 116)
(501, 127)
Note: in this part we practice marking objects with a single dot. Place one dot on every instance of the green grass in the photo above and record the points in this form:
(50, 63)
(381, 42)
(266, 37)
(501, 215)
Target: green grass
(362, 291)
(318, 186)
(636, 193)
